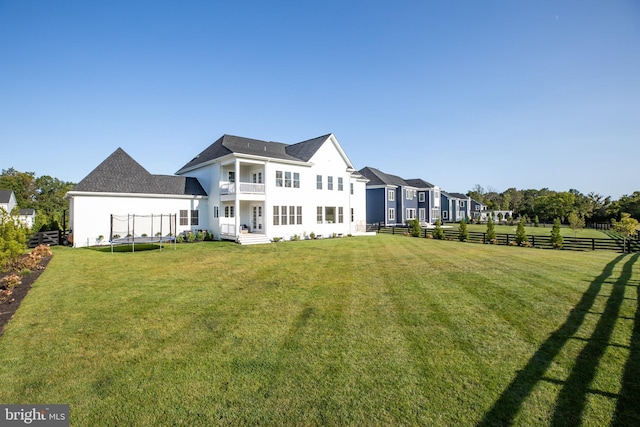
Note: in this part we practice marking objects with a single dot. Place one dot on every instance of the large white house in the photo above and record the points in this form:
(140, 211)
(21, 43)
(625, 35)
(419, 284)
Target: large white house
(239, 189)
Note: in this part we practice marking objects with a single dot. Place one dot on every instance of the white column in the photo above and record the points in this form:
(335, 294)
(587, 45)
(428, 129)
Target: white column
(237, 196)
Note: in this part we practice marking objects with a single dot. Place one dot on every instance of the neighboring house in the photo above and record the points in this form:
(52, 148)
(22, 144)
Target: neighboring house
(27, 217)
(464, 206)
(7, 200)
(8, 203)
(392, 200)
(239, 189)
(428, 200)
(454, 206)
(477, 210)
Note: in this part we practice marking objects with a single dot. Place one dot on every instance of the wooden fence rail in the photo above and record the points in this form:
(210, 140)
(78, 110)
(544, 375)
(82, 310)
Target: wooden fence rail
(544, 242)
(51, 238)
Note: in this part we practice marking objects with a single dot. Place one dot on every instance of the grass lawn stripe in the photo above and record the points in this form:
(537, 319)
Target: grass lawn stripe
(386, 330)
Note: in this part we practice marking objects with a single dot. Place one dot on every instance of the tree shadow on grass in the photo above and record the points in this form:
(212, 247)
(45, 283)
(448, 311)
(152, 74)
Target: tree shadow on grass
(576, 388)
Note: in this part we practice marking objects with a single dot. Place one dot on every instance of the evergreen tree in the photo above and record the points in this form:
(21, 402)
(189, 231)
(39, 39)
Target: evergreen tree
(556, 237)
(463, 234)
(437, 232)
(536, 221)
(521, 234)
(415, 228)
(491, 231)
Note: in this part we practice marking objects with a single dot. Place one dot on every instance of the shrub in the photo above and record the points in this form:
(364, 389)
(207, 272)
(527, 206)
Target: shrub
(415, 227)
(191, 237)
(312, 235)
(11, 281)
(491, 231)
(463, 234)
(200, 235)
(521, 235)
(277, 239)
(5, 294)
(556, 237)
(12, 240)
(180, 238)
(437, 232)
(43, 251)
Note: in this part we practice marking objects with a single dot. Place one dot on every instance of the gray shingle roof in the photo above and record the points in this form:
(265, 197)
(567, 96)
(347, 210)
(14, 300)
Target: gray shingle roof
(229, 144)
(419, 183)
(459, 195)
(306, 149)
(377, 177)
(5, 196)
(119, 173)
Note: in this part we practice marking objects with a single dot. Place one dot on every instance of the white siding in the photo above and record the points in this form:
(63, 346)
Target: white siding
(91, 214)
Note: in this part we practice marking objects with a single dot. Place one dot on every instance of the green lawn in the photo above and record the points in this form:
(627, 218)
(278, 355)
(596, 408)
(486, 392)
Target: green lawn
(384, 330)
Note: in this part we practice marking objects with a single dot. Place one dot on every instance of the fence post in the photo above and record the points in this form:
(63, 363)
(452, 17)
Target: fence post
(533, 241)
(507, 239)
(593, 244)
(484, 238)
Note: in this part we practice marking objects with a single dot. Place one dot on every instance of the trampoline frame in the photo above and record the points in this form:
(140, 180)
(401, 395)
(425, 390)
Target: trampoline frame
(132, 238)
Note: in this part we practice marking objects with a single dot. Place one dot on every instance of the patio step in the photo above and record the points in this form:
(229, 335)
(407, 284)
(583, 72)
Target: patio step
(253, 239)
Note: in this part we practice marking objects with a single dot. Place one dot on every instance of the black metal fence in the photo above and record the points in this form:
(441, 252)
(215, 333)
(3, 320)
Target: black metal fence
(613, 243)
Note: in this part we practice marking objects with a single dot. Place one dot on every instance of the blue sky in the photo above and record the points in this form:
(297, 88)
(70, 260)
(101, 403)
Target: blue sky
(498, 93)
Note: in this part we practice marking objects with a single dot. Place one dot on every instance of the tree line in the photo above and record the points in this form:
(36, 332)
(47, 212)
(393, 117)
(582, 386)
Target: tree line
(44, 194)
(547, 205)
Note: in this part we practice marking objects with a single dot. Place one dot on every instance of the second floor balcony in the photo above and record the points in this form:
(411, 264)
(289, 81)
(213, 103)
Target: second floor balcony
(241, 188)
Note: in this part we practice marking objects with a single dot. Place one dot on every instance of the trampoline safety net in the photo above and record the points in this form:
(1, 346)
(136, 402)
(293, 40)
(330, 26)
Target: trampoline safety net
(135, 228)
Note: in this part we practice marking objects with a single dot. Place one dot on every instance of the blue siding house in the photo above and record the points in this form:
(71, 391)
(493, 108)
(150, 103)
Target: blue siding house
(428, 200)
(392, 200)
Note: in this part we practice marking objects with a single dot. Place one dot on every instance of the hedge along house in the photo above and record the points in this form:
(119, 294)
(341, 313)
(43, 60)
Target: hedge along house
(120, 186)
(262, 190)
(239, 189)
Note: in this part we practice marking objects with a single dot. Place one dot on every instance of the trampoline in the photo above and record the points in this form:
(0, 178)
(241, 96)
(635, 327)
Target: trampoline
(142, 229)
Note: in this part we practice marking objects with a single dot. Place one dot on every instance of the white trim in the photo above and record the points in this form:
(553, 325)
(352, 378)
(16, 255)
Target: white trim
(137, 195)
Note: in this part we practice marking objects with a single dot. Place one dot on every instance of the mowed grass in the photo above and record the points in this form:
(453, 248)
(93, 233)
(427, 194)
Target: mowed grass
(384, 330)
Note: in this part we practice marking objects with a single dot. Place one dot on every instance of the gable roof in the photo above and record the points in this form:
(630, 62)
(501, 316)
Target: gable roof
(377, 177)
(230, 144)
(420, 183)
(459, 195)
(306, 149)
(120, 173)
(5, 196)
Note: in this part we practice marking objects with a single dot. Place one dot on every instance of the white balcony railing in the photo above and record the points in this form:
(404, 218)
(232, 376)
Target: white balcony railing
(244, 187)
